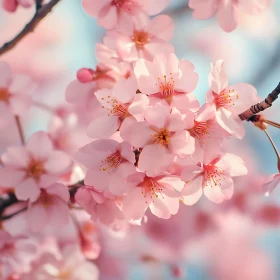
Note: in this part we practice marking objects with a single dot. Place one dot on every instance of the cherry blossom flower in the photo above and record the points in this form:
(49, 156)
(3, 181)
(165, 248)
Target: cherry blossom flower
(35, 166)
(111, 12)
(229, 101)
(141, 38)
(99, 207)
(158, 193)
(15, 90)
(162, 136)
(50, 208)
(70, 264)
(11, 5)
(229, 11)
(108, 162)
(118, 104)
(169, 79)
(212, 175)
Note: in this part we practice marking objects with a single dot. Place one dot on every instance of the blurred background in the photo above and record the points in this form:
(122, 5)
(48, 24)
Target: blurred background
(245, 243)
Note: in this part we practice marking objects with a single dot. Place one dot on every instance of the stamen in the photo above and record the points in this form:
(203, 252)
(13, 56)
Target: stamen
(117, 108)
(226, 98)
(140, 38)
(35, 169)
(4, 95)
(213, 175)
(111, 162)
(200, 130)
(162, 136)
(150, 187)
(166, 87)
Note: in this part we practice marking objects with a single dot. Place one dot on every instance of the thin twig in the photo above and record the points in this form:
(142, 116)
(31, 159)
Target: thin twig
(43, 11)
(44, 106)
(272, 143)
(20, 130)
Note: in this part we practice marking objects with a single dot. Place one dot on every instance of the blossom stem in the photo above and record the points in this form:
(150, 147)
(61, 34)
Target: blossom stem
(20, 130)
(277, 125)
(272, 143)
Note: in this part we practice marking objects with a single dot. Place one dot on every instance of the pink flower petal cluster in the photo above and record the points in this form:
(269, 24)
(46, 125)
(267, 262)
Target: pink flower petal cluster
(229, 12)
(15, 90)
(111, 12)
(35, 166)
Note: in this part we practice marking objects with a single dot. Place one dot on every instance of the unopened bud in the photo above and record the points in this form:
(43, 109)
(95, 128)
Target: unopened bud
(85, 75)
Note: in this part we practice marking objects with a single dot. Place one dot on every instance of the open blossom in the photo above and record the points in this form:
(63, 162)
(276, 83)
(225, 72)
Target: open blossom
(51, 208)
(11, 5)
(162, 136)
(70, 264)
(159, 193)
(15, 90)
(229, 11)
(169, 79)
(141, 37)
(229, 101)
(118, 104)
(212, 175)
(111, 12)
(108, 162)
(35, 166)
(101, 208)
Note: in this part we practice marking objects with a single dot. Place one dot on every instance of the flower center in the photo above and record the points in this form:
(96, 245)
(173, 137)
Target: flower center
(213, 175)
(140, 38)
(226, 98)
(116, 108)
(166, 87)
(162, 136)
(111, 162)
(35, 169)
(4, 95)
(150, 187)
(126, 5)
(200, 130)
(45, 199)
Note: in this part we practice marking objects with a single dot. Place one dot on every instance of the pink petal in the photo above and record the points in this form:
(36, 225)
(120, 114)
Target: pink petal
(174, 182)
(58, 163)
(40, 145)
(135, 205)
(181, 143)
(16, 157)
(154, 159)
(234, 165)
(190, 172)
(271, 183)
(59, 190)
(103, 127)
(217, 78)
(5, 74)
(37, 217)
(127, 153)
(154, 7)
(192, 191)
(10, 177)
(162, 27)
(146, 74)
(85, 199)
(222, 191)
(206, 112)
(98, 179)
(188, 79)
(231, 123)
(157, 115)
(108, 212)
(227, 16)
(203, 9)
(20, 104)
(138, 106)
(27, 189)
(125, 90)
(21, 84)
(185, 102)
(163, 206)
(92, 7)
(108, 16)
(59, 213)
(138, 134)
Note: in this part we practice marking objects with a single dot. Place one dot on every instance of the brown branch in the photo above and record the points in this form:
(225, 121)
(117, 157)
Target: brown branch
(20, 130)
(41, 12)
(259, 107)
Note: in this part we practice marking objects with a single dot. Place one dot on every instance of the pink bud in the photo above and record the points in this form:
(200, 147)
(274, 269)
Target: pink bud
(85, 75)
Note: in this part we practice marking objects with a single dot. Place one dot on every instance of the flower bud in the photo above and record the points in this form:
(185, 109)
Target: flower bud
(85, 75)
